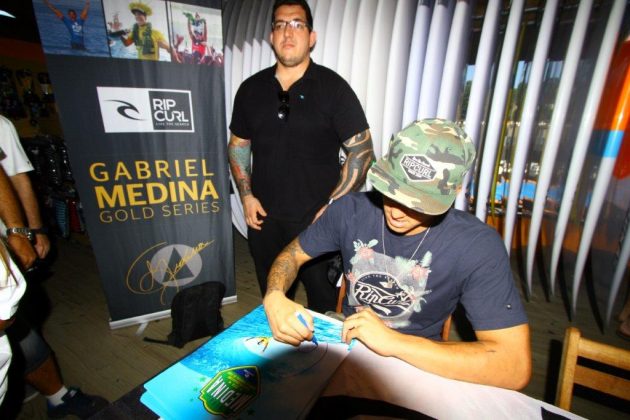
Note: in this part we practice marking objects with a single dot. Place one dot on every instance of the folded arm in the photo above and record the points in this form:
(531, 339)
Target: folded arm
(499, 358)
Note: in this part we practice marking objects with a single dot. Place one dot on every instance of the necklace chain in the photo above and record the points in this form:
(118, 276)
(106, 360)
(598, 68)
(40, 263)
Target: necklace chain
(417, 248)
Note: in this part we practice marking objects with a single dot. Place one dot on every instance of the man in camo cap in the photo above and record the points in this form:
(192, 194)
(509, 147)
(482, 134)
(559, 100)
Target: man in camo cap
(409, 259)
(425, 166)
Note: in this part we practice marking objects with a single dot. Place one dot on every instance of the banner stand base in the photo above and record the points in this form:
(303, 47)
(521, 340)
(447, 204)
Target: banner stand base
(141, 328)
(145, 319)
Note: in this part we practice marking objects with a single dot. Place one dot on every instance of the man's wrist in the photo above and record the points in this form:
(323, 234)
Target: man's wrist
(271, 292)
(39, 231)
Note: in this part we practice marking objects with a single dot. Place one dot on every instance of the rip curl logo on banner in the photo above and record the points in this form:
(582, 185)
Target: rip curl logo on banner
(138, 110)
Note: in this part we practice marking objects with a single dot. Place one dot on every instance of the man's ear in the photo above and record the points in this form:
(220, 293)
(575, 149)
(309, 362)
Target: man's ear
(312, 40)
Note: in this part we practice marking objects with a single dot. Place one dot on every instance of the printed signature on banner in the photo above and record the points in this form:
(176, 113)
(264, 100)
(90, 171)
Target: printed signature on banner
(164, 266)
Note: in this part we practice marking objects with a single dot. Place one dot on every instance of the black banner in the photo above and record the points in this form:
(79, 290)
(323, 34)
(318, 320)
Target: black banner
(147, 143)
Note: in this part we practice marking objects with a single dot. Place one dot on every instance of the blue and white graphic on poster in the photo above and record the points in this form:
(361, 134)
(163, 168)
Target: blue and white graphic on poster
(245, 372)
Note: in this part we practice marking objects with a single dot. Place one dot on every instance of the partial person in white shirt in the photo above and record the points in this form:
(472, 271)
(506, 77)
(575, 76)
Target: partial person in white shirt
(12, 287)
(41, 370)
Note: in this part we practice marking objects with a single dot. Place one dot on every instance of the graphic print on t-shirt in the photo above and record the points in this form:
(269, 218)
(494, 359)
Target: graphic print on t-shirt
(393, 287)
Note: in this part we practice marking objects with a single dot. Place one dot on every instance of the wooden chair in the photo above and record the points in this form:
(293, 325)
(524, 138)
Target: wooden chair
(446, 329)
(572, 373)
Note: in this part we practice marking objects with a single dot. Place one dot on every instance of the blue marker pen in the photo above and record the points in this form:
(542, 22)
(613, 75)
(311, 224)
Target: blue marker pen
(303, 321)
(352, 343)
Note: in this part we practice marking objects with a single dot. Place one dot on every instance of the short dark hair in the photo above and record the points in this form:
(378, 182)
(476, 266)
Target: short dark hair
(72, 11)
(302, 3)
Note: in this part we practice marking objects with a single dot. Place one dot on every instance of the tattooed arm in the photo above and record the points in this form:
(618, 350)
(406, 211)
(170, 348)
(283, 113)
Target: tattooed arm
(281, 311)
(239, 151)
(360, 155)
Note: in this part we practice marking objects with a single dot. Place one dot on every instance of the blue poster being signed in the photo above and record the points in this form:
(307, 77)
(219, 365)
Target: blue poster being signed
(243, 372)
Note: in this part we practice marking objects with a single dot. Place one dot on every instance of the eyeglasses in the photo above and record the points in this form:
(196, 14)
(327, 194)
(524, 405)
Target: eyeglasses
(283, 109)
(280, 25)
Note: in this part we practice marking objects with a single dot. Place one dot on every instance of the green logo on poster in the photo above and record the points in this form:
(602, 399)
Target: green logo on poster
(231, 390)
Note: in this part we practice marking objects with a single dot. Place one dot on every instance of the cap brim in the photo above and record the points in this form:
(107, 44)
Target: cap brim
(414, 198)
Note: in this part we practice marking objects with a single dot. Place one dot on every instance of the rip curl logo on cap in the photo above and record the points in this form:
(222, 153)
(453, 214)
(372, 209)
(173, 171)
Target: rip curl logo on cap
(418, 168)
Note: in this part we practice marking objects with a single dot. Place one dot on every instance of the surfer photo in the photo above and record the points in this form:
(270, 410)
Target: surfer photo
(146, 39)
(195, 31)
(137, 30)
(71, 27)
(198, 32)
(73, 23)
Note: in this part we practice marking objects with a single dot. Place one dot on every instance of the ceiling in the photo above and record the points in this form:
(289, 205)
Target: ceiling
(23, 27)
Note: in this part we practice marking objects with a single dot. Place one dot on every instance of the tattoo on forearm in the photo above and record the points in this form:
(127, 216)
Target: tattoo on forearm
(284, 269)
(360, 155)
(239, 153)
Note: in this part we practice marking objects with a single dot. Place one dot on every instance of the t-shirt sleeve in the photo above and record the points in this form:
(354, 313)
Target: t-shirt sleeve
(323, 235)
(238, 125)
(348, 117)
(159, 36)
(489, 294)
(15, 160)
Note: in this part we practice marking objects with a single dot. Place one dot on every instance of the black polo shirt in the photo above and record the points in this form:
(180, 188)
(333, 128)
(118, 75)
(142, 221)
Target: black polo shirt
(296, 162)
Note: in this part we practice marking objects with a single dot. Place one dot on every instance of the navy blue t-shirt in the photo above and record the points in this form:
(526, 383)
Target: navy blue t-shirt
(415, 288)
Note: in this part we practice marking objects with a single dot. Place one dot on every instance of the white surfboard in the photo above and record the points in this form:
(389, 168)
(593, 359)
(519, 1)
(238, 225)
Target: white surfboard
(230, 14)
(313, 5)
(479, 88)
(377, 71)
(620, 270)
(261, 34)
(417, 54)
(233, 30)
(267, 56)
(228, 40)
(556, 127)
(361, 53)
(434, 60)
(499, 99)
(528, 116)
(579, 154)
(346, 39)
(249, 39)
(333, 32)
(239, 42)
(398, 64)
(456, 52)
(320, 24)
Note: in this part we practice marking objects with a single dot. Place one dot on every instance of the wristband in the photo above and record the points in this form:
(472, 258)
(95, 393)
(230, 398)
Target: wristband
(24, 231)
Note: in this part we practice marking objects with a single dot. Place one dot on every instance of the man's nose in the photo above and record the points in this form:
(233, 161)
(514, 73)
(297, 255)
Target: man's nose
(397, 213)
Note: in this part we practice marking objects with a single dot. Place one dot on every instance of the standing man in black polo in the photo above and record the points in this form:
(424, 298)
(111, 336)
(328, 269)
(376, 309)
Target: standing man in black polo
(293, 118)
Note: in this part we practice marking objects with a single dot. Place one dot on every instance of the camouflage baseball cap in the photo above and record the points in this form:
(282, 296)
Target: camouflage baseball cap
(425, 165)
